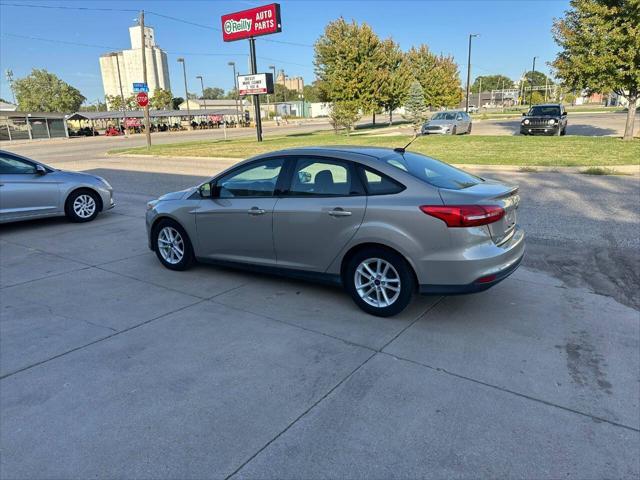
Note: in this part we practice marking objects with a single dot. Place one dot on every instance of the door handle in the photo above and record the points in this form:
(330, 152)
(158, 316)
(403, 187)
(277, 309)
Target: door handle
(256, 211)
(339, 212)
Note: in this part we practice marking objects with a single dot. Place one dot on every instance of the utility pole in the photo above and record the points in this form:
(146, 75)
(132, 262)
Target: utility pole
(235, 88)
(9, 74)
(533, 72)
(480, 94)
(147, 122)
(546, 85)
(186, 90)
(275, 97)
(466, 103)
(121, 93)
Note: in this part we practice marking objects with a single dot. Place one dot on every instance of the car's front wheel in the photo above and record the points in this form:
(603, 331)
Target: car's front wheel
(380, 281)
(172, 245)
(454, 131)
(82, 206)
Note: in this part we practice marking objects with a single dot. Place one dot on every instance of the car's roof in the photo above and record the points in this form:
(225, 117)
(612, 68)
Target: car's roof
(376, 152)
(547, 105)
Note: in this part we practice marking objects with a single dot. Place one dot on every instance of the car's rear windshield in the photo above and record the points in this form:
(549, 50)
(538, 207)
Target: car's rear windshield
(444, 116)
(541, 110)
(432, 171)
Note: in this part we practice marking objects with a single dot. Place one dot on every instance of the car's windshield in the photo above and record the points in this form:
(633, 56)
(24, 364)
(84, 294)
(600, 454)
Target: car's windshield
(444, 116)
(545, 110)
(432, 171)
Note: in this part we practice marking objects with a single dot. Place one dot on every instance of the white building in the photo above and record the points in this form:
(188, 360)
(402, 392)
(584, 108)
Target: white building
(129, 63)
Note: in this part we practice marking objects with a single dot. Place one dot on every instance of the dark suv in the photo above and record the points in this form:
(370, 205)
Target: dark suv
(544, 119)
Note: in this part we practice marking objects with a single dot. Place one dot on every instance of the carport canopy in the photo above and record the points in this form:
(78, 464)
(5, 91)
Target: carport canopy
(152, 113)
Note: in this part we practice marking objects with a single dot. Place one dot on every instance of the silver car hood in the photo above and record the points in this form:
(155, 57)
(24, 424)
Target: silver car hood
(441, 122)
(179, 195)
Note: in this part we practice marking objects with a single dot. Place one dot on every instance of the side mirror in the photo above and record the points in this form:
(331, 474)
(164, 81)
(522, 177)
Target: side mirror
(40, 170)
(564, 114)
(524, 114)
(205, 190)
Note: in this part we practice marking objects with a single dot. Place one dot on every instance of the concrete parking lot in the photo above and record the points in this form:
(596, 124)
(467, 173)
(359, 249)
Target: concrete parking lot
(112, 366)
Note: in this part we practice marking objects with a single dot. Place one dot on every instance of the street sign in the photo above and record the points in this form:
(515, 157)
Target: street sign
(143, 99)
(253, 22)
(140, 87)
(257, 84)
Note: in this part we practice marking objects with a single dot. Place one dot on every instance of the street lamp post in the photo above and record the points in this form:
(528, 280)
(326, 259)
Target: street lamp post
(235, 87)
(202, 87)
(533, 71)
(466, 103)
(186, 90)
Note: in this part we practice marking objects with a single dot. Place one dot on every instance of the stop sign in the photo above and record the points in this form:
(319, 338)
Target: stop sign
(142, 99)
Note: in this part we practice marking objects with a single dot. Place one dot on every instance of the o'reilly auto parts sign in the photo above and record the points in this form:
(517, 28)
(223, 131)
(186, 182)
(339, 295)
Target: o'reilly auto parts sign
(257, 84)
(253, 22)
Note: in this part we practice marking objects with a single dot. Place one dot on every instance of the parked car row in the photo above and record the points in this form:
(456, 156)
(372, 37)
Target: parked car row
(544, 119)
(382, 223)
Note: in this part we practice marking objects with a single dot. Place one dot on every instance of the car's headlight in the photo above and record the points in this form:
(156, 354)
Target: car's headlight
(552, 121)
(151, 204)
(526, 121)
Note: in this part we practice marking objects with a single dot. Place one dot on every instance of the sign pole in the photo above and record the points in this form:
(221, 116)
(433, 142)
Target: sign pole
(256, 98)
(147, 122)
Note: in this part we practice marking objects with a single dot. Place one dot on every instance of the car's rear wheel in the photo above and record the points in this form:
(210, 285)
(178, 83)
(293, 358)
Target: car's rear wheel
(380, 281)
(172, 245)
(469, 130)
(82, 206)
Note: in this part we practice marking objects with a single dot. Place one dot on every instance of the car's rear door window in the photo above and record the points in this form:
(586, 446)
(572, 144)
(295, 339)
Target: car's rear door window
(433, 172)
(322, 177)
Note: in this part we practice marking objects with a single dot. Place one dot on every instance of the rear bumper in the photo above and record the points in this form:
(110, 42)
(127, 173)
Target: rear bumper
(476, 272)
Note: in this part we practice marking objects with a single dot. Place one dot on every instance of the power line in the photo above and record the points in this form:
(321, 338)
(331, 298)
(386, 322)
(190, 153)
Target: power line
(79, 44)
(162, 15)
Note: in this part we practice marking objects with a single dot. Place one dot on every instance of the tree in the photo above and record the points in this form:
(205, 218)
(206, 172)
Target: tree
(393, 76)
(414, 106)
(313, 93)
(346, 58)
(344, 113)
(492, 82)
(175, 102)
(42, 91)
(231, 94)
(438, 77)
(114, 102)
(600, 42)
(161, 99)
(212, 93)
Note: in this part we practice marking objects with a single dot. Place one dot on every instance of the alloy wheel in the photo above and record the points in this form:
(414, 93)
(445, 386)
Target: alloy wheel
(84, 206)
(377, 282)
(171, 245)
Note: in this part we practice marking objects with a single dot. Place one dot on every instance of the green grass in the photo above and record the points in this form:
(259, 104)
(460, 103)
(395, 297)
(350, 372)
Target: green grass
(484, 150)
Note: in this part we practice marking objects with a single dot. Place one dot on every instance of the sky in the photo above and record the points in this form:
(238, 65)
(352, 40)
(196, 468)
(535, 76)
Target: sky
(511, 32)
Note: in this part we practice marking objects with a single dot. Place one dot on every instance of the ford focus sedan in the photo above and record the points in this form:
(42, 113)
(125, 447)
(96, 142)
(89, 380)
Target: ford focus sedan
(382, 223)
(448, 123)
(30, 189)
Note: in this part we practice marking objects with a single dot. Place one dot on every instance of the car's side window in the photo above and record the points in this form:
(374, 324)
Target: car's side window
(380, 184)
(459, 117)
(322, 177)
(255, 180)
(13, 165)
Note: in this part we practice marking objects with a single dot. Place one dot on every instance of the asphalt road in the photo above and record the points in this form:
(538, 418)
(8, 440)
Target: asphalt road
(589, 124)
(112, 366)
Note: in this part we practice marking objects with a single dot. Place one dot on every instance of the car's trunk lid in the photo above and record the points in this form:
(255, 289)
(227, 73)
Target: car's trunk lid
(489, 192)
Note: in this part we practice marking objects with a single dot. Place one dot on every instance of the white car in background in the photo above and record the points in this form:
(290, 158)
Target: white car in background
(448, 123)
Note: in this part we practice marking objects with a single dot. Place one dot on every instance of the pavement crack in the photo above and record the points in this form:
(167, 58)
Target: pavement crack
(303, 414)
(116, 333)
(513, 392)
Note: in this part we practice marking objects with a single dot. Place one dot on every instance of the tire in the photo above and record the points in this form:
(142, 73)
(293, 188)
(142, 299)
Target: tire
(469, 130)
(168, 233)
(454, 131)
(564, 131)
(398, 273)
(82, 206)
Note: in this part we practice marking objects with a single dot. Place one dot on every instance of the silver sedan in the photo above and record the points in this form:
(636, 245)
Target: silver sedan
(30, 189)
(383, 223)
(448, 123)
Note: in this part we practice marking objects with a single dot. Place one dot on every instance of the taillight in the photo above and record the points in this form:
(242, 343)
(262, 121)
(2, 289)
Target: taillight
(465, 215)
